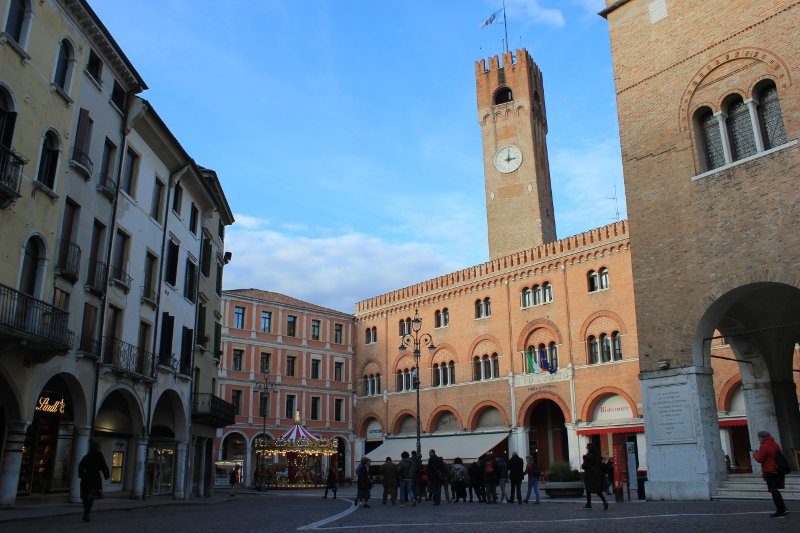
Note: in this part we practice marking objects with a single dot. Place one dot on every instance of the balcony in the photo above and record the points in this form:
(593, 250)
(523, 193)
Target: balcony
(213, 411)
(89, 347)
(41, 327)
(149, 296)
(69, 260)
(82, 162)
(120, 277)
(11, 165)
(107, 186)
(126, 358)
(97, 277)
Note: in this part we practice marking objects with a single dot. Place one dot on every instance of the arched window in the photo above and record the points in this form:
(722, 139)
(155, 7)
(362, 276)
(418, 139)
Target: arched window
(374, 334)
(31, 267)
(400, 381)
(593, 349)
(495, 366)
(526, 297)
(19, 15)
(616, 346)
(593, 281)
(64, 64)
(537, 295)
(603, 278)
(487, 307)
(366, 385)
(377, 383)
(402, 328)
(605, 347)
(445, 374)
(710, 140)
(445, 317)
(503, 95)
(547, 292)
(770, 117)
(436, 375)
(408, 326)
(487, 367)
(478, 309)
(407, 379)
(553, 352)
(437, 319)
(451, 368)
(476, 368)
(48, 162)
(740, 129)
(368, 336)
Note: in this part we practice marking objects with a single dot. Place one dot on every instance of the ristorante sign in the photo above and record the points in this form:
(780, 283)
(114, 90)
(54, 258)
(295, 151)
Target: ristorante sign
(46, 405)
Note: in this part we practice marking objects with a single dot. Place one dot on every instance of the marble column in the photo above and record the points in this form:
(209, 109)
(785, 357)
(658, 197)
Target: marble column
(12, 460)
(575, 445)
(518, 442)
(179, 492)
(139, 467)
(200, 466)
(80, 446)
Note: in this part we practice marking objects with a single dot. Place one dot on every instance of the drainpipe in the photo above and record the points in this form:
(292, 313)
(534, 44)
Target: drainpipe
(511, 386)
(112, 227)
(573, 407)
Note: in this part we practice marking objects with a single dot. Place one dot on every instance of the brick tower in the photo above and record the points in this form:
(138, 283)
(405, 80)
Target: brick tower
(511, 112)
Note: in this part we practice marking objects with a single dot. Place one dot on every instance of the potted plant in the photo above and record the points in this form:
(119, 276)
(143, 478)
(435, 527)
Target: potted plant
(563, 481)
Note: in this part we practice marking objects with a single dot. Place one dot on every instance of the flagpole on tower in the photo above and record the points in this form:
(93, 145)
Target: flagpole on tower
(505, 24)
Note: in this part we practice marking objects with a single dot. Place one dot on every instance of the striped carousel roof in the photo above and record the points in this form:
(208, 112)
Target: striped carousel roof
(297, 432)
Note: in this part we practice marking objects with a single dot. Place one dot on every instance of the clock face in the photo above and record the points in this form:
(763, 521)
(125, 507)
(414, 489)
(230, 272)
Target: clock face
(508, 159)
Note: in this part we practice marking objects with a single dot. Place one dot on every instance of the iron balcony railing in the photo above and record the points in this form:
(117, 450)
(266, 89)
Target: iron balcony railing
(89, 346)
(127, 358)
(97, 277)
(119, 276)
(38, 323)
(150, 295)
(69, 260)
(212, 410)
(11, 165)
(83, 159)
(107, 185)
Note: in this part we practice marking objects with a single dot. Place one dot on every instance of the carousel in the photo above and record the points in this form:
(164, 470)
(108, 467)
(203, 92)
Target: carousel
(300, 458)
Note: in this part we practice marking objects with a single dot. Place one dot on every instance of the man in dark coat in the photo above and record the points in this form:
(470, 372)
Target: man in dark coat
(363, 483)
(490, 471)
(593, 476)
(330, 483)
(89, 469)
(389, 479)
(436, 471)
(516, 469)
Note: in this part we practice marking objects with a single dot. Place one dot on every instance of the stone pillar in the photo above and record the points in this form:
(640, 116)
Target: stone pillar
(641, 447)
(358, 452)
(723, 134)
(178, 491)
(140, 465)
(200, 466)
(518, 442)
(12, 460)
(80, 446)
(760, 408)
(575, 446)
(725, 441)
(752, 107)
(680, 418)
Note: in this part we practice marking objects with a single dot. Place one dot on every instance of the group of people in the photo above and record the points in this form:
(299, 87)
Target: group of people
(490, 479)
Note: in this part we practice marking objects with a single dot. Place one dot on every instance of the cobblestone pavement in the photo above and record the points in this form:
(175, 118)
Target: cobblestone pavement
(292, 511)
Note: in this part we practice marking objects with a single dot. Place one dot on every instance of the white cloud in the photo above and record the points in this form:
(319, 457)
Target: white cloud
(536, 12)
(249, 222)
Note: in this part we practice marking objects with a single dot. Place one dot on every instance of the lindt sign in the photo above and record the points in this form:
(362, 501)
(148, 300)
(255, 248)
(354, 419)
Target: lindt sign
(56, 407)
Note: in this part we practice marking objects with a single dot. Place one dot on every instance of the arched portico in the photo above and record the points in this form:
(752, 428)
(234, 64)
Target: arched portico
(544, 417)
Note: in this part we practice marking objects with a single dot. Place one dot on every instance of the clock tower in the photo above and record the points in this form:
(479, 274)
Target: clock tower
(511, 112)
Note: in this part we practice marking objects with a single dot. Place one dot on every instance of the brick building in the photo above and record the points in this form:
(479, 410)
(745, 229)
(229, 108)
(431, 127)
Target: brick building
(709, 124)
(281, 355)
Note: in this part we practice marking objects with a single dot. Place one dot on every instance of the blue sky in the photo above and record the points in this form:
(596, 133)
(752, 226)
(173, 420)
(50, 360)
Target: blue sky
(345, 132)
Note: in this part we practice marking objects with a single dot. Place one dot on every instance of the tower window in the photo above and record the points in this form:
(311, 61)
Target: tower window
(502, 96)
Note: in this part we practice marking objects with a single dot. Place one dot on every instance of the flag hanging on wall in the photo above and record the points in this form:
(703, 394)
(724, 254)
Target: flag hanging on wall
(491, 18)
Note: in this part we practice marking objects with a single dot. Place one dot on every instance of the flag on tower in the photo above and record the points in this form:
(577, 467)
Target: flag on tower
(491, 18)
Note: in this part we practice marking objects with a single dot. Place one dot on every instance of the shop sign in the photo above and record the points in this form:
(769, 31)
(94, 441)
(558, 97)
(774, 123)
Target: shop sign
(46, 405)
(612, 407)
(374, 431)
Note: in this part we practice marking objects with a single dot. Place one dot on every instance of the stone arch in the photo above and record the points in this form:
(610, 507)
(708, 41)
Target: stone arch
(534, 325)
(398, 418)
(532, 400)
(771, 66)
(366, 365)
(251, 442)
(80, 406)
(488, 338)
(595, 397)
(9, 397)
(598, 314)
(726, 393)
(170, 399)
(361, 427)
(132, 402)
(437, 355)
(472, 421)
(434, 417)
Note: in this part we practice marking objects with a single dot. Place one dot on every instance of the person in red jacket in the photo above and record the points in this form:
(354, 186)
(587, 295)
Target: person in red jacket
(766, 456)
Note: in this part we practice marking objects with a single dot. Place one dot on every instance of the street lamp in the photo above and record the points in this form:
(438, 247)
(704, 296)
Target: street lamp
(417, 339)
(262, 442)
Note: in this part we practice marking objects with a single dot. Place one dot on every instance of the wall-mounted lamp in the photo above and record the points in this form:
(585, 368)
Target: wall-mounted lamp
(227, 257)
(663, 364)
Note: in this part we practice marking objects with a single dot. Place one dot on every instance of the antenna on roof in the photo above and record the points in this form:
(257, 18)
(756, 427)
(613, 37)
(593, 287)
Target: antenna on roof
(505, 23)
(616, 202)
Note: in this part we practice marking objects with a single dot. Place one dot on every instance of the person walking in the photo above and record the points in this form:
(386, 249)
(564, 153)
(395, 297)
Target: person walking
(389, 480)
(330, 483)
(418, 483)
(593, 476)
(460, 477)
(233, 479)
(489, 468)
(407, 473)
(515, 474)
(768, 455)
(436, 471)
(363, 483)
(503, 478)
(534, 473)
(89, 470)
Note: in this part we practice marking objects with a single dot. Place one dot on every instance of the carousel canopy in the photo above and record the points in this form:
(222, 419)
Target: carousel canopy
(298, 440)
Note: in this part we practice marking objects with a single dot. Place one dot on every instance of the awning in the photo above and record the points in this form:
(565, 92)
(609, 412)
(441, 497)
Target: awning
(469, 447)
(733, 422)
(613, 429)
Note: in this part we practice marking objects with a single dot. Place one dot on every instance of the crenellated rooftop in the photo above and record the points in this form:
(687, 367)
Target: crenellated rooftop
(558, 249)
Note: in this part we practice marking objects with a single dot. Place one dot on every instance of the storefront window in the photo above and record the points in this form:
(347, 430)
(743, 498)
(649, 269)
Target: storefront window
(159, 470)
(117, 460)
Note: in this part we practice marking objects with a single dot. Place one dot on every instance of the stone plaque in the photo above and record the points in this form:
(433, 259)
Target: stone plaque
(672, 418)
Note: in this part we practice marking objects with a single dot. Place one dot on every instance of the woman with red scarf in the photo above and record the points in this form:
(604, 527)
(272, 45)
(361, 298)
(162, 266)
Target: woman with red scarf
(766, 454)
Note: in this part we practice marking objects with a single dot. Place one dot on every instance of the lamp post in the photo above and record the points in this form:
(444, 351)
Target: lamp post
(262, 442)
(415, 338)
